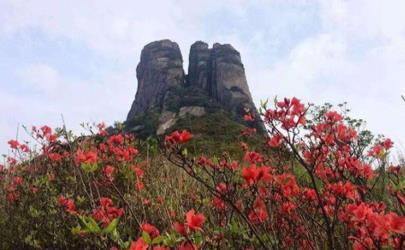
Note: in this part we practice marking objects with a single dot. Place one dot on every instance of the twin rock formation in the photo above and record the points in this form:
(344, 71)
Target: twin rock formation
(215, 81)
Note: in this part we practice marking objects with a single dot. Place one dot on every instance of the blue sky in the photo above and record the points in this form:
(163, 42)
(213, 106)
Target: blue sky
(78, 58)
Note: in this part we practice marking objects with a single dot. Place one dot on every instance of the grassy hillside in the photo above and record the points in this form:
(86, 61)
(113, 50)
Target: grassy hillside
(315, 183)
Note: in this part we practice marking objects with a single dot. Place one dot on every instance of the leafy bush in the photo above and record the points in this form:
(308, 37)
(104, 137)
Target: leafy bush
(318, 182)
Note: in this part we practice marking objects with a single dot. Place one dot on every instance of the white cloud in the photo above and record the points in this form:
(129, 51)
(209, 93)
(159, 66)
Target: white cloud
(116, 29)
(53, 95)
(43, 78)
(359, 57)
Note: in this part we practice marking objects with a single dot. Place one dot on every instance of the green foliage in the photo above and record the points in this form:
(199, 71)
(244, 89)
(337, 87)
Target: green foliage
(214, 132)
(37, 220)
(88, 168)
(189, 96)
(147, 124)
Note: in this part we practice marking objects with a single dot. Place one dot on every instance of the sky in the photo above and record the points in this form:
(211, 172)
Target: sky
(77, 58)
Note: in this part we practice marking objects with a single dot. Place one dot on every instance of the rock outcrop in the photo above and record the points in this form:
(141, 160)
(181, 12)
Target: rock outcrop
(199, 66)
(216, 80)
(220, 71)
(160, 68)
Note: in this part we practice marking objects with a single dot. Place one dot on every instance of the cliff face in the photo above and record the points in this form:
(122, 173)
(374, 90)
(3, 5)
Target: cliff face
(216, 81)
(160, 68)
(220, 72)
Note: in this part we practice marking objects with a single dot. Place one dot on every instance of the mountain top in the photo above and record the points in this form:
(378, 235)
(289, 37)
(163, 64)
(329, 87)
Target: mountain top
(167, 98)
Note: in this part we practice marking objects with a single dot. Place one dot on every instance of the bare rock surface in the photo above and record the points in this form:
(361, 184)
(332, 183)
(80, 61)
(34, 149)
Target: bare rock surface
(192, 110)
(160, 68)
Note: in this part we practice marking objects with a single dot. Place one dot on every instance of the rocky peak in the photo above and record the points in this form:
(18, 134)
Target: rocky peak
(216, 77)
(228, 80)
(160, 68)
(199, 65)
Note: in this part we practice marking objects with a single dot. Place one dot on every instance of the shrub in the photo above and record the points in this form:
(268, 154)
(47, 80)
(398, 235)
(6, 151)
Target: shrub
(318, 182)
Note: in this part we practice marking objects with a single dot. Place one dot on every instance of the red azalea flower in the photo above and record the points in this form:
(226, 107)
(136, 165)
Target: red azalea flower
(309, 194)
(221, 187)
(203, 161)
(253, 157)
(106, 202)
(55, 157)
(13, 144)
(377, 150)
(139, 185)
(139, 172)
(397, 223)
(177, 137)
(287, 207)
(150, 229)
(179, 228)
(218, 203)
(264, 174)
(17, 180)
(194, 221)
(185, 136)
(258, 216)
(333, 116)
(140, 244)
(187, 246)
(89, 157)
(46, 130)
(24, 148)
(108, 172)
(116, 140)
(173, 137)
(61, 200)
(47, 133)
(250, 174)
(387, 143)
(69, 204)
(275, 141)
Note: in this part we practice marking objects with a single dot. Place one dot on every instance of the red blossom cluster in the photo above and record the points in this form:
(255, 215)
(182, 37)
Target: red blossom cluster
(12, 192)
(380, 148)
(150, 229)
(194, 222)
(106, 212)
(178, 137)
(334, 178)
(14, 144)
(108, 172)
(290, 113)
(45, 133)
(372, 227)
(117, 146)
(69, 204)
(316, 183)
(88, 157)
(139, 174)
